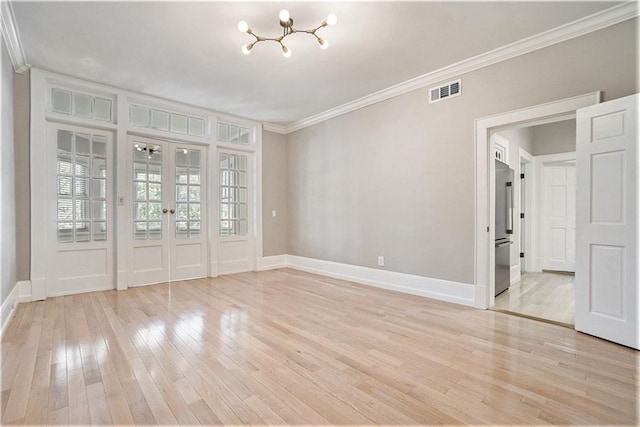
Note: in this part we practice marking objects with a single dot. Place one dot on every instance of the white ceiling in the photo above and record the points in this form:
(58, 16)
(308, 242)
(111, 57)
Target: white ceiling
(190, 51)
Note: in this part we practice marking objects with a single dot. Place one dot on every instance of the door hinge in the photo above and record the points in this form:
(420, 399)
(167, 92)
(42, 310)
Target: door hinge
(522, 216)
(521, 254)
(521, 176)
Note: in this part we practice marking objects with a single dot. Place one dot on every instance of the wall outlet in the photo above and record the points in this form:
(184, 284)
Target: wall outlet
(273, 213)
(380, 261)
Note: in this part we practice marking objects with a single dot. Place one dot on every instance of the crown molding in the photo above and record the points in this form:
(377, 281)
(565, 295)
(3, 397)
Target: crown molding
(274, 128)
(591, 23)
(11, 37)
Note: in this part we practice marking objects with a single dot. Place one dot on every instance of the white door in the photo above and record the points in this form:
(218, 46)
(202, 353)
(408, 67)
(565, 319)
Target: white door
(559, 216)
(607, 221)
(80, 204)
(167, 227)
(235, 226)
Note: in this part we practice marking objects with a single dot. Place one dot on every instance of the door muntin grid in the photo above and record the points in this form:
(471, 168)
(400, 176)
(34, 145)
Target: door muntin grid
(147, 191)
(188, 212)
(234, 195)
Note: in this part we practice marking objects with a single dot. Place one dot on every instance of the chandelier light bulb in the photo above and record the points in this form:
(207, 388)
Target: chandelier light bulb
(332, 19)
(284, 15)
(243, 26)
(323, 43)
(286, 52)
(246, 49)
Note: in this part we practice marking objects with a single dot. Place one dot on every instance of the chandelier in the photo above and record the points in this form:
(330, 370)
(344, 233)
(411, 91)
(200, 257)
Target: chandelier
(286, 22)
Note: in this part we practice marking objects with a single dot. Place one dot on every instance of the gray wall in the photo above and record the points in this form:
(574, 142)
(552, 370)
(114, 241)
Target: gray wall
(7, 181)
(553, 138)
(397, 178)
(274, 194)
(21, 114)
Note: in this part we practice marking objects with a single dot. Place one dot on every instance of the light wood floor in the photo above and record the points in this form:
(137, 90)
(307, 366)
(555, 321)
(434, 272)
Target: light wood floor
(544, 295)
(286, 347)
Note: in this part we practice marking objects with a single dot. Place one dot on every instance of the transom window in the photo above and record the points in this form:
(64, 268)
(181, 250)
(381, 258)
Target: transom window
(82, 187)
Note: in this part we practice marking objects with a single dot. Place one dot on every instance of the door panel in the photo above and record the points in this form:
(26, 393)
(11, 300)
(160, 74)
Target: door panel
(558, 186)
(80, 203)
(607, 222)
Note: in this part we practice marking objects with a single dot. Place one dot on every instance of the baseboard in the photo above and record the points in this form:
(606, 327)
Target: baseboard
(9, 308)
(272, 262)
(443, 290)
(515, 274)
(24, 291)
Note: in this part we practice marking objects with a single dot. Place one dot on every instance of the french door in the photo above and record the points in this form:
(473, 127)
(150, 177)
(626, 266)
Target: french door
(167, 226)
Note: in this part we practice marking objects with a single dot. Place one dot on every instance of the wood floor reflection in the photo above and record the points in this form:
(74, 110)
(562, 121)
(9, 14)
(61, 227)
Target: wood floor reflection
(286, 347)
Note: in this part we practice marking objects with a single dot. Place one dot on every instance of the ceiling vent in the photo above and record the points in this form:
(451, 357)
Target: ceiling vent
(445, 91)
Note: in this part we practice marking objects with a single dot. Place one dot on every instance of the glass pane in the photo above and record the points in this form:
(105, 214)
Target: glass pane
(224, 194)
(182, 211)
(65, 210)
(182, 157)
(100, 210)
(82, 232)
(242, 179)
(140, 211)
(82, 104)
(233, 178)
(243, 211)
(194, 193)
(224, 228)
(182, 174)
(182, 194)
(233, 194)
(99, 167)
(99, 231)
(233, 227)
(233, 211)
(82, 187)
(196, 126)
(83, 144)
(194, 158)
(194, 228)
(194, 211)
(140, 230)
(99, 146)
(223, 132)
(155, 211)
(140, 190)
(178, 123)
(233, 163)
(140, 171)
(242, 195)
(102, 109)
(243, 228)
(224, 161)
(155, 172)
(154, 153)
(99, 188)
(155, 191)
(155, 230)
(64, 141)
(61, 101)
(224, 177)
(140, 152)
(159, 120)
(244, 136)
(82, 166)
(65, 166)
(224, 211)
(139, 116)
(233, 133)
(242, 163)
(64, 185)
(182, 229)
(65, 232)
(194, 175)
(83, 210)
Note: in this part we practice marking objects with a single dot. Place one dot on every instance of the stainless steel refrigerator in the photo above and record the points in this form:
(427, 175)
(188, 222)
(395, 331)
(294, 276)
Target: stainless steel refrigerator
(503, 226)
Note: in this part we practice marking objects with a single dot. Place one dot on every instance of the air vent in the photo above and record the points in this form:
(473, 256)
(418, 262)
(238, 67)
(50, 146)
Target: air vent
(445, 91)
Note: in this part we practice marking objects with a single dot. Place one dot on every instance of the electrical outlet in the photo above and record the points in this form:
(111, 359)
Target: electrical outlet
(273, 213)
(380, 261)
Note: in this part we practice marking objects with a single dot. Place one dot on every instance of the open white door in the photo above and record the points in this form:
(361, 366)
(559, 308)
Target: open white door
(558, 216)
(607, 296)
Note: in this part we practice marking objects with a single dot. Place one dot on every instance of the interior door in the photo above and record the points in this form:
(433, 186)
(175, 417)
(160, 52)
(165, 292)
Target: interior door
(607, 221)
(235, 226)
(168, 234)
(80, 204)
(559, 216)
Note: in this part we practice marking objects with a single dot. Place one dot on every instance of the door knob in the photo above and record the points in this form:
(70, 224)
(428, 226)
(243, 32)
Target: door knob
(172, 211)
(164, 211)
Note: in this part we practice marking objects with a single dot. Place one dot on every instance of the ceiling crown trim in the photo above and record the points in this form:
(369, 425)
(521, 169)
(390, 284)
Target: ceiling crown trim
(11, 36)
(580, 27)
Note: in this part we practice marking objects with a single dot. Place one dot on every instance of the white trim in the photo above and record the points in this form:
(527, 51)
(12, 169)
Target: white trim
(529, 211)
(24, 291)
(514, 274)
(272, 262)
(270, 127)
(485, 174)
(11, 36)
(580, 27)
(9, 308)
(443, 290)
(80, 291)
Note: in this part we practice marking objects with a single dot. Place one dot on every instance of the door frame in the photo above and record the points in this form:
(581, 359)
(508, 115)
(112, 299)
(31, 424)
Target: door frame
(554, 111)
(528, 208)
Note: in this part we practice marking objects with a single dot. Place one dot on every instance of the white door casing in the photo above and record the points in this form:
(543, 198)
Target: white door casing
(607, 297)
(167, 222)
(79, 210)
(558, 215)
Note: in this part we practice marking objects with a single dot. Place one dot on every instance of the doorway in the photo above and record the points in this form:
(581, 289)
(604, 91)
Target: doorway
(168, 221)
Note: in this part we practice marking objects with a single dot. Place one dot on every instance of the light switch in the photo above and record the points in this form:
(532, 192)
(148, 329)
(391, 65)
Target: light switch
(273, 213)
